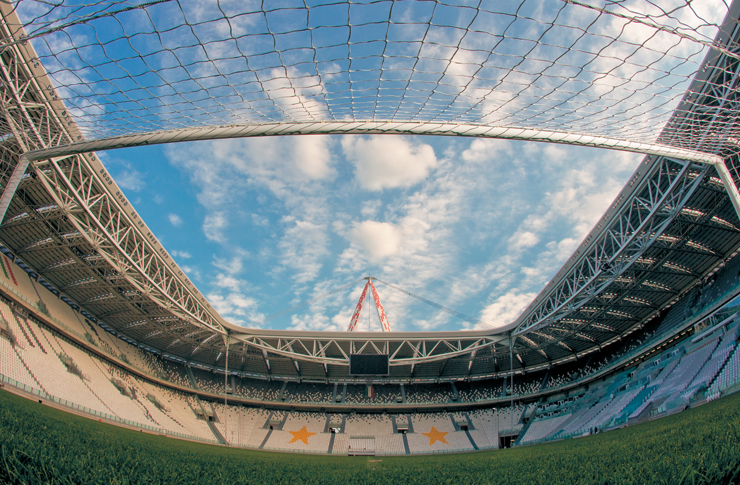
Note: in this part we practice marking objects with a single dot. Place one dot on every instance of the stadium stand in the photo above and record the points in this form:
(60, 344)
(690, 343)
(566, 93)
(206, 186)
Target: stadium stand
(429, 393)
(258, 389)
(373, 394)
(307, 392)
(368, 425)
(36, 355)
(300, 432)
(730, 372)
(479, 390)
(238, 424)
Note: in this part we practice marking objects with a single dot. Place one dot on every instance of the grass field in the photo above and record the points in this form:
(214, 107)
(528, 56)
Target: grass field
(44, 445)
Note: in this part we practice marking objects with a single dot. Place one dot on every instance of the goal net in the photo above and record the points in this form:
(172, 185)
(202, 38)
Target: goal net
(618, 69)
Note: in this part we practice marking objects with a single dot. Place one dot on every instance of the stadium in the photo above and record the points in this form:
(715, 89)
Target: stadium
(630, 349)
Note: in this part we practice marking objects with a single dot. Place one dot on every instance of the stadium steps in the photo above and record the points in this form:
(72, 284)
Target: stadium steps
(36, 379)
(590, 415)
(578, 412)
(135, 398)
(637, 401)
(519, 438)
(709, 370)
(191, 377)
(264, 441)
(83, 379)
(142, 401)
(146, 410)
(104, 403)
(472, 441)
(94, 330)
(23, 330)
(33, 334)
(282, 394)
(543, 384)
(168, 414)
(216, 433)
(219, 437)
(731, 358)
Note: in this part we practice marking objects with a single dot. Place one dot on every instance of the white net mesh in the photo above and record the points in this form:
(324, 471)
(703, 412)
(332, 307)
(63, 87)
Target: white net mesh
(614, 68)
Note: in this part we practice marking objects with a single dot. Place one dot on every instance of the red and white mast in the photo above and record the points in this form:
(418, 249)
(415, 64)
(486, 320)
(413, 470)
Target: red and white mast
(378, 306)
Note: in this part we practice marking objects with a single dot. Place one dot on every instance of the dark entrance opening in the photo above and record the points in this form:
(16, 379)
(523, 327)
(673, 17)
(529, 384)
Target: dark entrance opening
(506, 441)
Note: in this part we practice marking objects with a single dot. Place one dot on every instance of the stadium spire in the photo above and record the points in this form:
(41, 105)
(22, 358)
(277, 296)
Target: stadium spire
(379, 306)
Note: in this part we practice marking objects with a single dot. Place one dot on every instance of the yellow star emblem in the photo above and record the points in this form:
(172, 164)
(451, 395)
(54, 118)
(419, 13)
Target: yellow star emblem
(302, 434)
(435, 436)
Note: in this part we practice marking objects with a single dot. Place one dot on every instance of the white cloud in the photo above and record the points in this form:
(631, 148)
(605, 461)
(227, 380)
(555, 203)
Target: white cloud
(225, 281)
(258, 220)
(487, 150)
(192, 272)
(303, 247)
(506, 308)
(288, 175)
(524, 239)
(321, 322)
(235, 306)
(383, 161)
(378, 239)
(370, 208)
(229, 293)
(234, 264)
(213, 226)
(224, 169)
(175, 220)
(311, 156)
(181, 254)
(130, 180)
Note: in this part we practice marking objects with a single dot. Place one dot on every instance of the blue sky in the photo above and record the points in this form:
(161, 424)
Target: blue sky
(477, 225)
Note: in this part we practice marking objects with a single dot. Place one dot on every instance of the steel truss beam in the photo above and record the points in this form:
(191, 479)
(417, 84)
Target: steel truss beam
(656, 202)
(97, 214)
(315, 349)
(86, 195)
(712, 99)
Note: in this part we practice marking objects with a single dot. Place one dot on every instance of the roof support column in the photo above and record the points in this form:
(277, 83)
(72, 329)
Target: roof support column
(511, 387)
(729, 184)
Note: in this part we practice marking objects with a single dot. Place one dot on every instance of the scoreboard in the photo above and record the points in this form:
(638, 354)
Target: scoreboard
(368, 365)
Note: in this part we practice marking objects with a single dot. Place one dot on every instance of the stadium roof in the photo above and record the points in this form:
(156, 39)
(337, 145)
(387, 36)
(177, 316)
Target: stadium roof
(671, 226)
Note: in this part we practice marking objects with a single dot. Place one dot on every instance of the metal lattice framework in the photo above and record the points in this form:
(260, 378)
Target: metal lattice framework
(620, 243)
(77, 78)
(617, 70)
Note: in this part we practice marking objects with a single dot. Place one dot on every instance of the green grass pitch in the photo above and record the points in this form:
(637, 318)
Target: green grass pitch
(40, 444)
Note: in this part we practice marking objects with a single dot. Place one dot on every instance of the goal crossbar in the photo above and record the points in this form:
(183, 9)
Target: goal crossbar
(376, 127)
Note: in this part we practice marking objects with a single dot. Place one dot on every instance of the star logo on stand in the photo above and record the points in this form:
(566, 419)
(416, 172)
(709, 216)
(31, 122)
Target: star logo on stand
(302, 435)
(435, 436)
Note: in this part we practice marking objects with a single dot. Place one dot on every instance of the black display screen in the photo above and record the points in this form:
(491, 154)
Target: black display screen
(368, 365)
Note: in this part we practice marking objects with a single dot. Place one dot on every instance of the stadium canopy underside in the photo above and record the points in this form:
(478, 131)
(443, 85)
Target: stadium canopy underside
(66, 220)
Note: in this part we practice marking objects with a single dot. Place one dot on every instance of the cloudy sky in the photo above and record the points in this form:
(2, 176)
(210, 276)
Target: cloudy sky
(476, 225)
